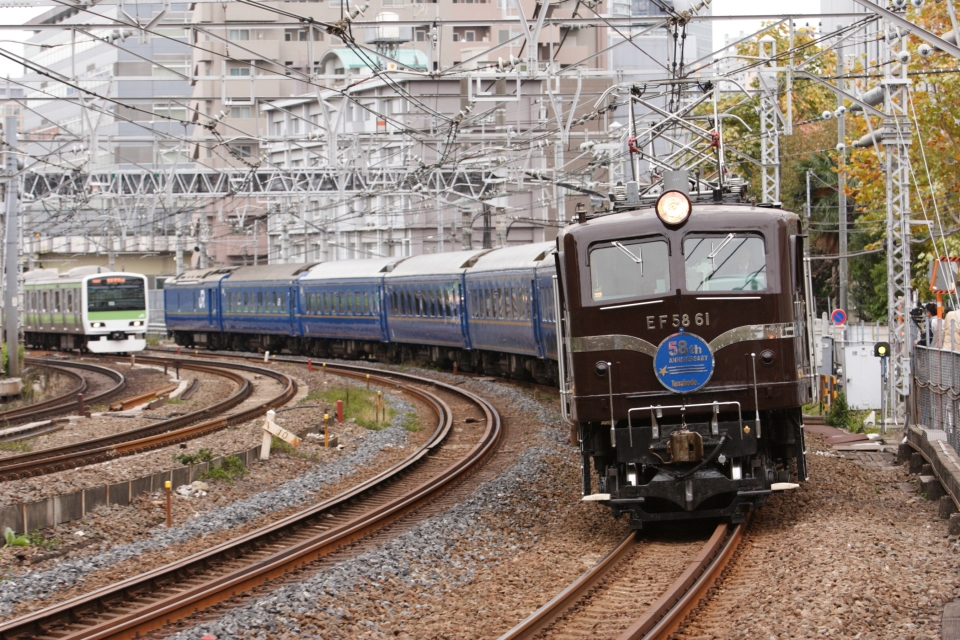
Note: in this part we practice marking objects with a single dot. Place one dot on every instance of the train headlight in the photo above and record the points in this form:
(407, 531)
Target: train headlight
(673, 207)
(136, 323)
(97, 325)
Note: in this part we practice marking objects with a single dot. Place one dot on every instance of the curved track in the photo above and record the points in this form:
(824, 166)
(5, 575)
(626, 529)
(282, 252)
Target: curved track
(178, 590)
(66, 402)
(629, 594)
(159, 434)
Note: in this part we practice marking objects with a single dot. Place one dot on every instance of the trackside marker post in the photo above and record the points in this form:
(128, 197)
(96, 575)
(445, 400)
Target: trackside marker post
(270, 429)
(339, 411)
(380, 406)
(266, 356)
(326, 431)
(310, 365)
(168, 486)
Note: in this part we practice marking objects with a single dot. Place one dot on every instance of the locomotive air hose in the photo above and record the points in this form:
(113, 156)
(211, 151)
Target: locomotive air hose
(713, 456)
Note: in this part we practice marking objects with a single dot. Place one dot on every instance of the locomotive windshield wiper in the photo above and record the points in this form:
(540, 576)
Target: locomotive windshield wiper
(713, 254)
(638, 260)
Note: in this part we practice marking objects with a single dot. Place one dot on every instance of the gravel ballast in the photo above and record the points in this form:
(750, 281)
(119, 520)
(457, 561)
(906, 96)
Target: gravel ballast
(483, 564)
(38, 584)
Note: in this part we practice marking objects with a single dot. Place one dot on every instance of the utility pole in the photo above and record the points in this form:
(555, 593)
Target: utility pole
(895, 137)
(467, 230)
(501, 227)
(842, 181)
(256, 239)
(284, 244)
(769, 129)
(11, 246)
(178, 252)
(487, 240)
(809, 205)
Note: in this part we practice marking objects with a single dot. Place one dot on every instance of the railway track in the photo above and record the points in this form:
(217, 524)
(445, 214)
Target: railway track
(641, 589)
(158, 434)
(66, 402)
(170, 593)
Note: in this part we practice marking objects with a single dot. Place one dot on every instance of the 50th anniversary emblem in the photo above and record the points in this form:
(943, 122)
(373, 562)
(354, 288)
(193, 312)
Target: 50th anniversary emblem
(683, 363)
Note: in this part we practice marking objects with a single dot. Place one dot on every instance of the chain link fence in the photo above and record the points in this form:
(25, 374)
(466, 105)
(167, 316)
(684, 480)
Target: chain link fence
(937, 380)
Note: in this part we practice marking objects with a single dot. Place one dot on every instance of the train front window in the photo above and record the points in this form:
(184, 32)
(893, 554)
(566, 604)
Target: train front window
(116, 293)
(629, 269)
(734, 262)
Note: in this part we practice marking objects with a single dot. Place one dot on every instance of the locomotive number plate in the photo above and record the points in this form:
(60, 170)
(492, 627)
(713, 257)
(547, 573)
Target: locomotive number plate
(684, 362)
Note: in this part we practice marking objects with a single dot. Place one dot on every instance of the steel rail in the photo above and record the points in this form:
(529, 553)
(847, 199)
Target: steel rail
(125, 404)
(66, 402)
(184, 587)
(159, 434)
(663, 616)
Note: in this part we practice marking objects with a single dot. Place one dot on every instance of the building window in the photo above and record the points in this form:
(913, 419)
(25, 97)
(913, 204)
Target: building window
(244, 150)
(240, 71)
(421, 35)
(505, 35)
(237, 35)
(239, 112)
(470, 36)
(393, 3)
(456, 37)
(170, 111)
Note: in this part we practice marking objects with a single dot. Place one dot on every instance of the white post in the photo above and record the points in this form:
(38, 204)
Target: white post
(267, 436)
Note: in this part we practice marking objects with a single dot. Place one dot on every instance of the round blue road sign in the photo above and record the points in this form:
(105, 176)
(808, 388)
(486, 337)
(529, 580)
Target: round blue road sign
(684, 362)
(839, 316)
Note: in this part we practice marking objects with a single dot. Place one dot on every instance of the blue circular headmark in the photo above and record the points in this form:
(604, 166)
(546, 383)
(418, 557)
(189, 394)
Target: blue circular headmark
(684, 362)
(839, 316)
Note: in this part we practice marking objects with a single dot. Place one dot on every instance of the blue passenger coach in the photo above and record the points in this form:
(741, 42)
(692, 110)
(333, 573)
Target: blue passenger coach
(425, 299)
(502, 301)
(488, 311)
(342, 302)
(258, 304)
(191, 304)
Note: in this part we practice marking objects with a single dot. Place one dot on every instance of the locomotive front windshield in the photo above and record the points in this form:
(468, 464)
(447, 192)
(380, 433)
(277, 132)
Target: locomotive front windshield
(734, 262)
(629, 269)
(116, 293)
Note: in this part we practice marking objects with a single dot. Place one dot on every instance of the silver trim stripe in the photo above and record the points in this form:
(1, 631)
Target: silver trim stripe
(614, 342)
(631, 304)
(617, 342)
(753, 332)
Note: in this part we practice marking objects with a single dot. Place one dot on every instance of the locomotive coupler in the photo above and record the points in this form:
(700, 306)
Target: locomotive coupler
(685, 446)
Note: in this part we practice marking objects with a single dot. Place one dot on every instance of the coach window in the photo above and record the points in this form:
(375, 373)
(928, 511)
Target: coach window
(734, 262)
(629, 268)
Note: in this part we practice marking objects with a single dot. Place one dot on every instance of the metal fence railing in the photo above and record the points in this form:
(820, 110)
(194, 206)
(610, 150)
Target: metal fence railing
(936, 375)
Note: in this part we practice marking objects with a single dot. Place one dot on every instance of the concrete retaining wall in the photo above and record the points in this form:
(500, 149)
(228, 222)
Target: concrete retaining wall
(59, 509)
(935, 447)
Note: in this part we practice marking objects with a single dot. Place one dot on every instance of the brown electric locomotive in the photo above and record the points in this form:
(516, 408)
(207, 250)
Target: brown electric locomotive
(680, 322)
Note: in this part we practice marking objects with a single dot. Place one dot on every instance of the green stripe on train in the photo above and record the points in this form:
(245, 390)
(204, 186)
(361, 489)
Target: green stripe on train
(117, 315)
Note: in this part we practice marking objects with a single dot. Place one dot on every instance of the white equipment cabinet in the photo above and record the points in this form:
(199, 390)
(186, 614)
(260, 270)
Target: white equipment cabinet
(862, 377)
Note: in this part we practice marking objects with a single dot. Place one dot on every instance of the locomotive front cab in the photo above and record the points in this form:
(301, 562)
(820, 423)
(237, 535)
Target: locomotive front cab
(676, 332)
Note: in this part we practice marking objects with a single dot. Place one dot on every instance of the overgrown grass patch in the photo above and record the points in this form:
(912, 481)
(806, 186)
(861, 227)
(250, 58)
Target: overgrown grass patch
(16, 445)
(203, 455)
(230, 469)
(359, 404)
(411, 422)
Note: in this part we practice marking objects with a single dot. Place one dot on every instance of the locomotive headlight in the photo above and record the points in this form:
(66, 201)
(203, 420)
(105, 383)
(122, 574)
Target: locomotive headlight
(673, 207)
